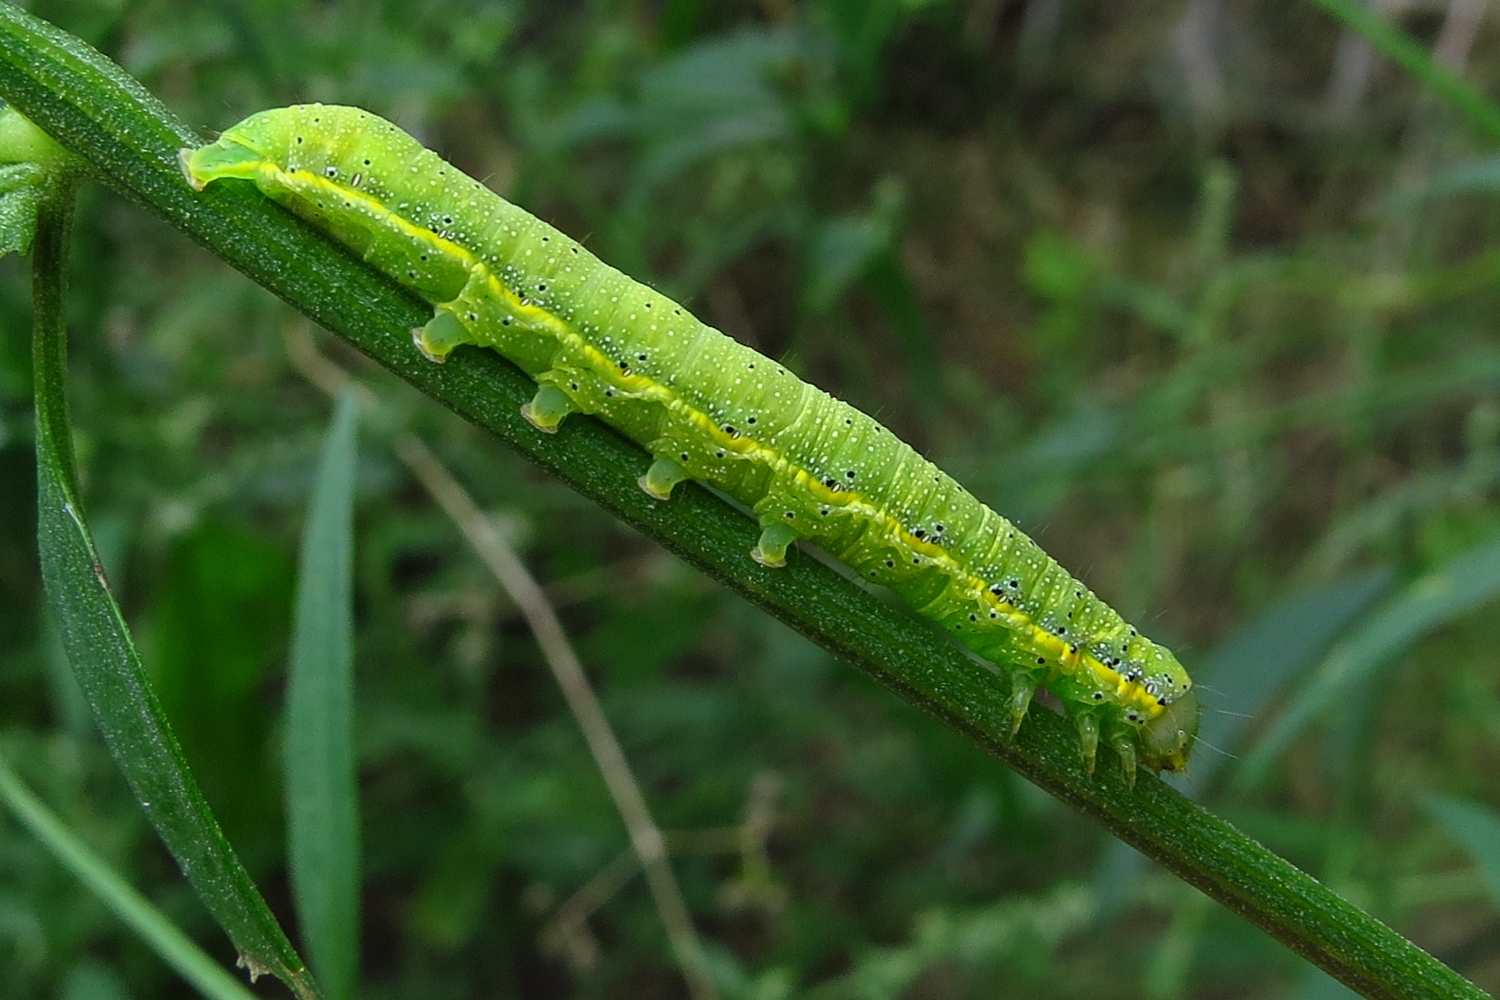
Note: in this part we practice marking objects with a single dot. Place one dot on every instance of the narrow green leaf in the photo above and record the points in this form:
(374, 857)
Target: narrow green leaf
(1249, 668)
(322, 798)
(1400, 49)
(1478, 829)
(170, 944)
(103, 655)
(99, 112)
(1458, 587)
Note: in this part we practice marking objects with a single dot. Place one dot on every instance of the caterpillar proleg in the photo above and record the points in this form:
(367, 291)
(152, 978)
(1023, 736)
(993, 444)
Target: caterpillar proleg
(707, 408)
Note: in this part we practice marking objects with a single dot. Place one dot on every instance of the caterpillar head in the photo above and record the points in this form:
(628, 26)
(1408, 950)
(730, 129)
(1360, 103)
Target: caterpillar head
(1167, 739)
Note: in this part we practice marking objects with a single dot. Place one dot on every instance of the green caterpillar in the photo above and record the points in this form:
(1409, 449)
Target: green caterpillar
(708, 408)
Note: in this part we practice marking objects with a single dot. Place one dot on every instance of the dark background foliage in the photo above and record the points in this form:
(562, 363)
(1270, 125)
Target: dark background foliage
(1197, 293)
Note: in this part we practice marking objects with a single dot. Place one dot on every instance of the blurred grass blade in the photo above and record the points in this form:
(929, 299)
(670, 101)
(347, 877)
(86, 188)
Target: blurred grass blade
(1236, 680)
(99, 112)
(1248, 669)
(1478, 829)
(887, 282)
(1458, 587)
(322, 799)
(103, 656)
(150, 924)
(1400, 49)
(862, 247)
(1480, 176)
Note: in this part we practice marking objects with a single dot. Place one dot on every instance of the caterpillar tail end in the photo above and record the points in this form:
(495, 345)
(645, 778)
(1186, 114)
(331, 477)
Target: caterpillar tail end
(770, 551)
(225, 158)
(663, 475)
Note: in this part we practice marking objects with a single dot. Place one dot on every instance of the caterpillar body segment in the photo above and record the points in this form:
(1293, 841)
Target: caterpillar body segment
(706, 407)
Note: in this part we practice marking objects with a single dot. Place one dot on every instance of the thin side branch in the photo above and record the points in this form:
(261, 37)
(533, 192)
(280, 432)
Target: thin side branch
(490, 545)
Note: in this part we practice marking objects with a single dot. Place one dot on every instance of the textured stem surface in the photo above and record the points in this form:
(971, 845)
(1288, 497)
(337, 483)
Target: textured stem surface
(95, 109)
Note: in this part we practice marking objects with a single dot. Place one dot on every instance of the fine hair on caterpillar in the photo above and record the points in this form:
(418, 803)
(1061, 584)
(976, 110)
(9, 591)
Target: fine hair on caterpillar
(809, 467)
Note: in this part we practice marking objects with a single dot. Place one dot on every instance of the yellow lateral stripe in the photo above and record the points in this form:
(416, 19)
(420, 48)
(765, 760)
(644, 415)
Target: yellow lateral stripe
(644, 387)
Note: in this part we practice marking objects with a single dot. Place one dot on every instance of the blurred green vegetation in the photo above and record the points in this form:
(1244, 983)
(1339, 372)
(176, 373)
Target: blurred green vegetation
(1195, 292)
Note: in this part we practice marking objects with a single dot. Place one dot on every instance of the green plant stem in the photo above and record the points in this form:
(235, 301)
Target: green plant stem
(1400, 49)
(103, 655)
(94, 109)
(174, 947)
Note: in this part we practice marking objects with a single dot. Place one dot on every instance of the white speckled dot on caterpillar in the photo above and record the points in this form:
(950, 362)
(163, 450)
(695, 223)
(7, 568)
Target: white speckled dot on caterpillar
(708, 408)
